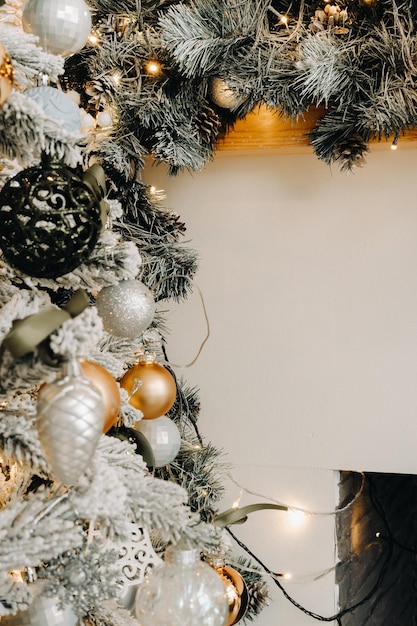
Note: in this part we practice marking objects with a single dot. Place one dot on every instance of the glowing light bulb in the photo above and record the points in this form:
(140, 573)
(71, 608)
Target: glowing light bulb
(296, 518)
(152, 67)
(236, 503)
(287, 576)
(284, 19)
(394, 146)
(152, 190)
(94, 39)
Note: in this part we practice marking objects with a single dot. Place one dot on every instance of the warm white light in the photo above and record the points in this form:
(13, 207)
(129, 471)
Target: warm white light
(378, 535)
(94, 39)
(284, 19)
(394, 146)
(152, 190)
(116, 78)
(236, 503)
(287, 576)
(296, 518)
(153, 67)
(16, 576)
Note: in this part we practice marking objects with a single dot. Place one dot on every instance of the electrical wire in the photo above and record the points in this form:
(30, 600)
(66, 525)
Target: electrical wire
(299, 509)
(321, 618)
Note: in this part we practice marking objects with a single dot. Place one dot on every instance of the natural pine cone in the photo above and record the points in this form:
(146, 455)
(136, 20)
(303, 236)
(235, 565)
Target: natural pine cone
(351, 152)
(208, 124)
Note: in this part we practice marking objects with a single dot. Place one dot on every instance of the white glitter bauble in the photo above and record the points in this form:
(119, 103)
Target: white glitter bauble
(63, 26)
(126, 309)
(69, 420)
(163, 437)
(58, 106)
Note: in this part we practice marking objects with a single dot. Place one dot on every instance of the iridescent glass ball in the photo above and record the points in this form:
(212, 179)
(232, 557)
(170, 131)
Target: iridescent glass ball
(184, 591)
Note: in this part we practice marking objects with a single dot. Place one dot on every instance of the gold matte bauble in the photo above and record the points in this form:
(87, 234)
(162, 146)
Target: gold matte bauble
(151, 387)
(236, 592)
(108, 389)
(6, 75)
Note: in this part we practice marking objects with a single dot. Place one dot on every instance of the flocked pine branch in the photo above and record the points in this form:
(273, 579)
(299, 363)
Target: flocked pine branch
(204, 36)
(25, 132)
(29, 60)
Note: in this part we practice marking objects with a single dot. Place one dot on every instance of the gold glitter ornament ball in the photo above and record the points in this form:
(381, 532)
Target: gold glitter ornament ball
(126, 309)
(109, 389)
(6, 75)
(151, 386)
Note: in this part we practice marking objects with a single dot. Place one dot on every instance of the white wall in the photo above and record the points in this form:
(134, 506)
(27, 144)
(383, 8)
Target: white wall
(309, 277)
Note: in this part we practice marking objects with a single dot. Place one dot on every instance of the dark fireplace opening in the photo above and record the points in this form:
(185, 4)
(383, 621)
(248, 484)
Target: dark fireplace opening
(377, 549)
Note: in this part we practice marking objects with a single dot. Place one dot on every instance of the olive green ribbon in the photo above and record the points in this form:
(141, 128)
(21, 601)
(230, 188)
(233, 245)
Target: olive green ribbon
(28, 333)
(240, 515)
(95, 178)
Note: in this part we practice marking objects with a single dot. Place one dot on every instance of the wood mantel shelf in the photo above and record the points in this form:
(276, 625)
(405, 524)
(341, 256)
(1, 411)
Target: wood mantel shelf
(263, 132)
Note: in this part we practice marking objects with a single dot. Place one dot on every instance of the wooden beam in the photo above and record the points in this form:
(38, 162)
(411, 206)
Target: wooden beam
(264, 132)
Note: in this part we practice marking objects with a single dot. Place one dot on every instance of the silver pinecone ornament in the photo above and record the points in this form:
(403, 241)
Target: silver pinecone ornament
(70, 417)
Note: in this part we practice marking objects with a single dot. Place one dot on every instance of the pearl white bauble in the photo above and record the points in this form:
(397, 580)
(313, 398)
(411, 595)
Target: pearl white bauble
(58, 106)
(104, 119)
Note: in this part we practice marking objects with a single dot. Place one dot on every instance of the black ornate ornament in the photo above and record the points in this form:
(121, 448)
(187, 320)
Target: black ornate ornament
(50, 219)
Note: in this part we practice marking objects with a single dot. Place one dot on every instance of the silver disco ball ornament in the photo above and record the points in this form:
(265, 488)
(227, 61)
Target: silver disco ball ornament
(164, 438)
(63, 26)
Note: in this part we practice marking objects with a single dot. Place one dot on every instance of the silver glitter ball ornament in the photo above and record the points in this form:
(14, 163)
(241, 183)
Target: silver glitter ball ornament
(69, 420)
(126, 309)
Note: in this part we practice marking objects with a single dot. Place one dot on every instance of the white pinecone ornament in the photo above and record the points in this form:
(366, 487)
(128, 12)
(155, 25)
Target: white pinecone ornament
(70, 418)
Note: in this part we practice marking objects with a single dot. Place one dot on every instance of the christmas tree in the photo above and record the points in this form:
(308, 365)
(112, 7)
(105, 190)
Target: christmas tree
(100, 472)
(98, 476)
